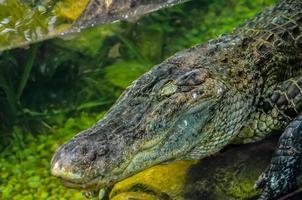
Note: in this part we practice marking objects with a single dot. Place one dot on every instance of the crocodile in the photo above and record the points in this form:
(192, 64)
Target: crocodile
(238, 88)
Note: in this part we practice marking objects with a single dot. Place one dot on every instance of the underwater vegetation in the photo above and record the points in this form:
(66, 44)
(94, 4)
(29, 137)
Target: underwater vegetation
(51, 90)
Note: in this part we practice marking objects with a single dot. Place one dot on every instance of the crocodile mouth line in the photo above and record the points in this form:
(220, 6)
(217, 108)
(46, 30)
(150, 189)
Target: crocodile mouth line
(100, 181)
(93, 184)
(85, 186)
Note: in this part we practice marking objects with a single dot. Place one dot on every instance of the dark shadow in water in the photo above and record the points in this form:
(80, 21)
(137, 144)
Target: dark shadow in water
(226, 175)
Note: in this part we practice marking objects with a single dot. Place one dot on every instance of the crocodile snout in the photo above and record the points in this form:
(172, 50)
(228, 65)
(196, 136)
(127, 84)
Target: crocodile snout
(80, 160)
(62, 164)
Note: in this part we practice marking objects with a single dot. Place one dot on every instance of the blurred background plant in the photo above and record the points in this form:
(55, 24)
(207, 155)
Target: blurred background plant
(51, 90)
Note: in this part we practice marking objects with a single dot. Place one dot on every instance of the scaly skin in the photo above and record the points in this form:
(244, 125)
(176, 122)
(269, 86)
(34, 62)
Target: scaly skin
(237, 88)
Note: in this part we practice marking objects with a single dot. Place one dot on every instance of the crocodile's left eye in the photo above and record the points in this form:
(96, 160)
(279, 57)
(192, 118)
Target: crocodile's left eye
(192, 78)
(168, 89)
(185, 82)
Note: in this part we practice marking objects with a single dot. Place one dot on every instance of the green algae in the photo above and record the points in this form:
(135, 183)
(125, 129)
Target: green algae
(236, 185)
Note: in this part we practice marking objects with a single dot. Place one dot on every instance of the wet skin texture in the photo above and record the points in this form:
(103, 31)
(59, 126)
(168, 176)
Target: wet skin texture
(238, 88)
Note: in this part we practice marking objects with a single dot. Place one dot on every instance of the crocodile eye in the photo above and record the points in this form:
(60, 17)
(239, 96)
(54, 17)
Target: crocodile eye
(192, 78)
(168, 89)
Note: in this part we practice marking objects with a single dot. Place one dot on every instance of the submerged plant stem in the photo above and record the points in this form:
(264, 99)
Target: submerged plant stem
(133, 49)
(27, 69)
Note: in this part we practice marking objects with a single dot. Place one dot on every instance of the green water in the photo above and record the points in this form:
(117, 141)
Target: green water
(52, 90)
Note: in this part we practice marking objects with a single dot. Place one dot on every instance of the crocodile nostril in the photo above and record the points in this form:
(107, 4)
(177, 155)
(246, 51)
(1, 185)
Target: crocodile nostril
(84, 149)
(102, 151)
(92, 156)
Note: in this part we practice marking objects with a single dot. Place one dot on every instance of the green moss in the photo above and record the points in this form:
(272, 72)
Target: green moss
(237, 181)
(25, 169)
(239, 188)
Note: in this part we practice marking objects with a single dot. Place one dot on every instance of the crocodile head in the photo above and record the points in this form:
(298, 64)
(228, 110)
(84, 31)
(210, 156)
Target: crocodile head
(161, 117)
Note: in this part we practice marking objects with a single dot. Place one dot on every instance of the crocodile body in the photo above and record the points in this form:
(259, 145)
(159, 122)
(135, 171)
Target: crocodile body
(238, 88)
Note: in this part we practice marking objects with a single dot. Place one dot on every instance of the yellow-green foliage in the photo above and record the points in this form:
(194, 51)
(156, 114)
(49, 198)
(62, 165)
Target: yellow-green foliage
(19, 23)
(122, 76)
(85, 74)
(70, 9)
(241, 187)
(25, 21)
